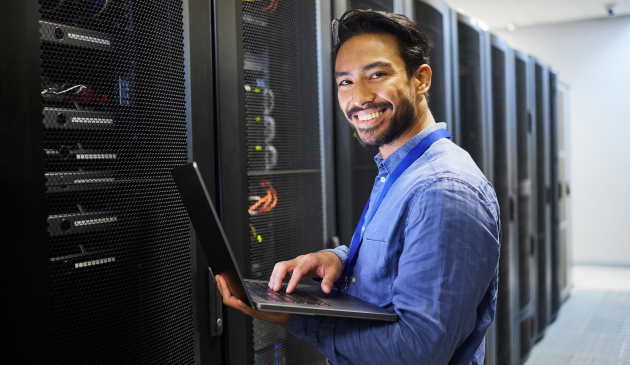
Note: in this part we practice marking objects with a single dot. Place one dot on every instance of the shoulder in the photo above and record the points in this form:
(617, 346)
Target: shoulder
(446, 171)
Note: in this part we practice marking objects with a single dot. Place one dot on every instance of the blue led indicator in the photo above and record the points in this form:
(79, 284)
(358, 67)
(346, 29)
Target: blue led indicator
(137, 155)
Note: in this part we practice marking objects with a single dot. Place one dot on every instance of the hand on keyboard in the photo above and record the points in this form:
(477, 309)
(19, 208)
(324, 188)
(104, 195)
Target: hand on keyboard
(324, 264)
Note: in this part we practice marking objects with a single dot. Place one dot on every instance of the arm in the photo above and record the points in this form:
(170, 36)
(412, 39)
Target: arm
(449, 258)
(324, 264)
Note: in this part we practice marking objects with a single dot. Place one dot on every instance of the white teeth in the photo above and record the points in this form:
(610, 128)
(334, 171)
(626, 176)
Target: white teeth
(370, 116)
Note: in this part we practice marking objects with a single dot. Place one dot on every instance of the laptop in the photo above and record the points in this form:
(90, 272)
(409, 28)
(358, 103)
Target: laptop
(305, 299)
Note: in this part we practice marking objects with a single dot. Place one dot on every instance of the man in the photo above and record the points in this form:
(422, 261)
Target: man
(430, 253)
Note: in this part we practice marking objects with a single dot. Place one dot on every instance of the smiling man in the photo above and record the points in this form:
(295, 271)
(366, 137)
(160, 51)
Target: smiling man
(427, 245)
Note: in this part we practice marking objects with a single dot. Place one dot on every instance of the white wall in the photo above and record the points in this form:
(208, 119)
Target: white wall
(593, 58)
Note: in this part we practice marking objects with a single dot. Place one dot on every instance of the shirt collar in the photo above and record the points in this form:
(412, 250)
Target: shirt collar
(390, 163)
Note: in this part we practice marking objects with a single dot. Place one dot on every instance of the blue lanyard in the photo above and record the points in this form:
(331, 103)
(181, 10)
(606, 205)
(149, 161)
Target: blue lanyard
(411, 157)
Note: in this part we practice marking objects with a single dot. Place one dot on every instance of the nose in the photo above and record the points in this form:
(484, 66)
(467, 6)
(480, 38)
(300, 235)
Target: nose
(362, 94)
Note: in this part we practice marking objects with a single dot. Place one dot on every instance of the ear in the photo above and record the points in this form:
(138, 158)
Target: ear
(421, 80)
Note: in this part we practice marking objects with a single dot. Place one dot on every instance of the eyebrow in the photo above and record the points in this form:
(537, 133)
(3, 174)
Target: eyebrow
(365, 68)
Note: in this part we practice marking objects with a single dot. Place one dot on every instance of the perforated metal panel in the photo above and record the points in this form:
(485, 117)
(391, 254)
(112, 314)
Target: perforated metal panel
(284, 154)
(114, 126)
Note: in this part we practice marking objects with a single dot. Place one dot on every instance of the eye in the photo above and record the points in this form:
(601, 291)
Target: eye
(344, 83)
(376, 75)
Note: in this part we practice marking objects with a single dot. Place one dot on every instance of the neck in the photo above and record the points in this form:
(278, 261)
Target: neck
(423, 122)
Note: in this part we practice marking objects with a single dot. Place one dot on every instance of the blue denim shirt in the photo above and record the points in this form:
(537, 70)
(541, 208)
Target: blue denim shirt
(431, 255)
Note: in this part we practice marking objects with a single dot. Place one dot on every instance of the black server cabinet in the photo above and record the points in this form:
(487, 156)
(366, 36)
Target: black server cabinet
(272, 117)
(438, 22)
(94, 119)
(475, 113)
(555, 192)
(475, 102)
(201, 142)
(543, 197)
(526, 202)
(505, 184)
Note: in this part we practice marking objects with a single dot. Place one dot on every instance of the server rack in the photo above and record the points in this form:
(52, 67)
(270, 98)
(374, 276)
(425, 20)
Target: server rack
(555, 189)
(526, 202)
(564, 166)
(543, 196)
(90, 133)
(438, 22)
(475, 98)
(274, 111)
(505, 183)
(201, 147)
(475, 92)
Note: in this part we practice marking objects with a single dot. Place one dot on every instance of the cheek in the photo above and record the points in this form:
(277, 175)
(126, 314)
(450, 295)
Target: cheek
(344, 101)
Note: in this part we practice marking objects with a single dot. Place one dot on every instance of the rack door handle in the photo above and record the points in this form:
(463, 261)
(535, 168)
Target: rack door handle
(215, 306)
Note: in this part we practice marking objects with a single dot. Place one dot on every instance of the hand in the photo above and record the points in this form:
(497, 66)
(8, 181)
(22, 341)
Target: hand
(281, 319)
(324, 264)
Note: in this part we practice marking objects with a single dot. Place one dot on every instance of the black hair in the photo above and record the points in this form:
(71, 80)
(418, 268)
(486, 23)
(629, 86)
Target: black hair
(413, 45)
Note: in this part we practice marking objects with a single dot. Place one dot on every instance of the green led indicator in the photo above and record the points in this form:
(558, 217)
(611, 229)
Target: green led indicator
(259, 238)
(256, 90)
(258, 148)
(258, 119)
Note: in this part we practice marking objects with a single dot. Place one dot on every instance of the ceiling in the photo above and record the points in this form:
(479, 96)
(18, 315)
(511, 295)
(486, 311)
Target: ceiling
(498, 14)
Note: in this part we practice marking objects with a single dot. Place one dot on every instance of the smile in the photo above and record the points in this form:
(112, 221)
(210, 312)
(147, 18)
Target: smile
(369, 116)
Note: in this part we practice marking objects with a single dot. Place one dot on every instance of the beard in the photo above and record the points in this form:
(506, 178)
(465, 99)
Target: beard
(398, 124)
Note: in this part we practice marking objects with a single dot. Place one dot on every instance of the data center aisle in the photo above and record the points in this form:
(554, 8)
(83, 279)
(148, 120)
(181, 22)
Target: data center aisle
(593, 326)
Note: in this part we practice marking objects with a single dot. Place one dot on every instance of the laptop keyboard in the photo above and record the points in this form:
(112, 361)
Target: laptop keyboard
(282, 296)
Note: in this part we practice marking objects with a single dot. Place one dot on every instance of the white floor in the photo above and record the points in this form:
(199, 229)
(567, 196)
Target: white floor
(593, 326)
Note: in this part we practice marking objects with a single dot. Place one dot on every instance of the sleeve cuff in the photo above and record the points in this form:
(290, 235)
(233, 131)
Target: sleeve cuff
(342, 253)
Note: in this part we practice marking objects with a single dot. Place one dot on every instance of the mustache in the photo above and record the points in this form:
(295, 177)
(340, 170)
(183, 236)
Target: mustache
(382, 105)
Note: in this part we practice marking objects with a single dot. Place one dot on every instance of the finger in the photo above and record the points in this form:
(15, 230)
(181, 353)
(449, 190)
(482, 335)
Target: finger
(328, 282)
(216, 278)
(283, 269)
(228, 298)
(296, 275)
(273, 275)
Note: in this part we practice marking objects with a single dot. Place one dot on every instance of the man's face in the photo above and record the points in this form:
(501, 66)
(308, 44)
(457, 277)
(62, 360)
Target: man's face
(374, 90)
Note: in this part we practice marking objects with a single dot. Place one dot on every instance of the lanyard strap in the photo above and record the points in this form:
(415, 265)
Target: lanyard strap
(411, 157)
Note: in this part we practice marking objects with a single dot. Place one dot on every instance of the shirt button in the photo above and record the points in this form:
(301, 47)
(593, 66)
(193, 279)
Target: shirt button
(354, 280)
(362, 228)
(383, 179)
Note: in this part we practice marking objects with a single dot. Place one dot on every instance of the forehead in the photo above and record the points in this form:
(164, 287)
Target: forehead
(365, 49)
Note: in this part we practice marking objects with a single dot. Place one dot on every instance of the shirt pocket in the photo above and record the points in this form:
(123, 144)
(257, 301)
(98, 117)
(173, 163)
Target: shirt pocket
(372, 274)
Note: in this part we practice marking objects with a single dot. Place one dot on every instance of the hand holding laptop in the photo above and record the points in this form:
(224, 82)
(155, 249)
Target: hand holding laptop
(230, 300)
(324, 264)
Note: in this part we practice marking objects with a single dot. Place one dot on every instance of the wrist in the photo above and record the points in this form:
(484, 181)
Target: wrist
(284, 322)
